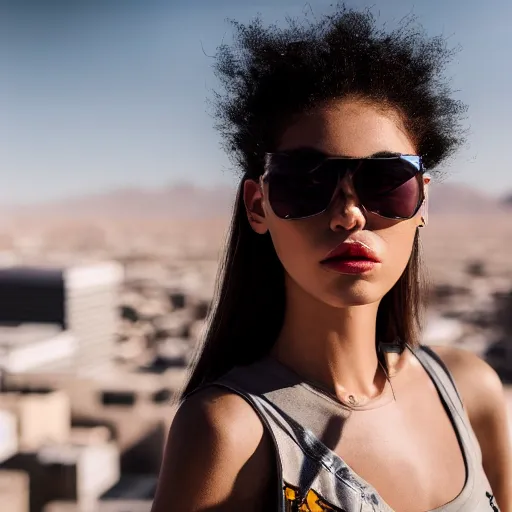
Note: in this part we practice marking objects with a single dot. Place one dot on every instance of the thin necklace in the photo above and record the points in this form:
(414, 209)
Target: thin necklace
(351, 401)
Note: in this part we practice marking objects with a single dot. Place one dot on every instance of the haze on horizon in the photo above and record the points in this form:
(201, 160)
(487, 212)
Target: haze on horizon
(103, 94)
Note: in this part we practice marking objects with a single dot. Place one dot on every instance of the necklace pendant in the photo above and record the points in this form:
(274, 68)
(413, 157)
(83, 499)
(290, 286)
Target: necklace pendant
(352, 400)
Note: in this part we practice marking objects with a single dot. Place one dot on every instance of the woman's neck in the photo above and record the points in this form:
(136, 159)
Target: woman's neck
(334, 347)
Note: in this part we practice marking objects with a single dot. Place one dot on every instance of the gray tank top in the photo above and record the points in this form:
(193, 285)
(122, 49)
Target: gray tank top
(311, 477)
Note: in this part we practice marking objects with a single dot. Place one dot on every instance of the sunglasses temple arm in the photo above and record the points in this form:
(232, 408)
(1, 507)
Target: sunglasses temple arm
(424, 207)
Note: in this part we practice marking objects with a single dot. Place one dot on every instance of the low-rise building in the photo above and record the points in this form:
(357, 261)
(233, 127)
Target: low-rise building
(8, 435)
(29, 347)
(66, 472)
(42, 416)
(14, 491)
(82, 299)
(103, 506)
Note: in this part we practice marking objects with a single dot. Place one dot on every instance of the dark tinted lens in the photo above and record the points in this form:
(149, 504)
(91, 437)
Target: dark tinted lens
(299, 186)
(293, 197)
(389, 187)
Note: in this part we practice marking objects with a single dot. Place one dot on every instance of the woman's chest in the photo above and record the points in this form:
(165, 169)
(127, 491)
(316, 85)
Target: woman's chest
(408, 451)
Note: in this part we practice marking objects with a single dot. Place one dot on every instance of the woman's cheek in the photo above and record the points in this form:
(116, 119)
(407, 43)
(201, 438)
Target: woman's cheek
(293, 248)
(399, 241)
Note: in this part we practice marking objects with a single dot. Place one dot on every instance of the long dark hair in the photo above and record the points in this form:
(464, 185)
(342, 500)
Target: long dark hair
(248, 306)
(337, 56)
(249, 303)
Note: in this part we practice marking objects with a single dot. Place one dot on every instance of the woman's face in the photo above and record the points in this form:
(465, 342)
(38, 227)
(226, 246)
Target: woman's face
(352, 129)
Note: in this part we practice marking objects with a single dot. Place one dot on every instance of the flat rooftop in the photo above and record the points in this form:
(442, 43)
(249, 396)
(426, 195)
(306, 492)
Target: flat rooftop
(27, 333)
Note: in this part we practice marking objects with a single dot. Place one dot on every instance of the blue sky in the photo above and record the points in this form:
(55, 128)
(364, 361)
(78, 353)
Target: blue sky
(100, 94)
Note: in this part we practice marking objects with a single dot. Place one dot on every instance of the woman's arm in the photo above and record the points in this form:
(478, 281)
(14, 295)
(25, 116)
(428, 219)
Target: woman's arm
(483, 397)
(217, 458)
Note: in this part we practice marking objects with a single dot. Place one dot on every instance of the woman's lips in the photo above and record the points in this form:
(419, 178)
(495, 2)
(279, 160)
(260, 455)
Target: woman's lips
(351, 258)
(350, 266)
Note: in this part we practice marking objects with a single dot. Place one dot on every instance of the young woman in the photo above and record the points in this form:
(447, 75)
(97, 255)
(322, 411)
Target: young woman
(311, 391)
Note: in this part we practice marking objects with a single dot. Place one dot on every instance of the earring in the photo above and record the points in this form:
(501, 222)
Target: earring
(424, 213)
(424, 206)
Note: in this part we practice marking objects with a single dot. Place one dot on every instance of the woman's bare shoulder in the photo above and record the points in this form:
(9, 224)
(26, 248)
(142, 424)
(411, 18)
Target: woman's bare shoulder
(476, 380)
(217, 457)
(222, 416)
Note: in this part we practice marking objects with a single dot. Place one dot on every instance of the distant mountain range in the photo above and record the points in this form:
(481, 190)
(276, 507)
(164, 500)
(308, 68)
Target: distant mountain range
(183, 201)
(455, 198)
(187, 201)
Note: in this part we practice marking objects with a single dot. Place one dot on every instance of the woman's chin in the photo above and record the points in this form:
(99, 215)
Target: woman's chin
(360, 293)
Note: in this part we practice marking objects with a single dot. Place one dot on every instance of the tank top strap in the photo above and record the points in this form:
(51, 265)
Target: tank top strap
(477, 489)
(442, 377)
(271, 427)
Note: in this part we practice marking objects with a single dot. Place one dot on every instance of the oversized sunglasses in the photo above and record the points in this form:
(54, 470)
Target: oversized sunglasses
(303, 184)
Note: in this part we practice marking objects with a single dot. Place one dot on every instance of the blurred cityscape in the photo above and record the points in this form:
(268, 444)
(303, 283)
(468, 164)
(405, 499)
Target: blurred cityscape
(98, 321)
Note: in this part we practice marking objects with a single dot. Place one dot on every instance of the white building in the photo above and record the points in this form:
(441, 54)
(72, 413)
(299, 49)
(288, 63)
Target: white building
(66, 472)
(92, 311)
(81, 299)
(41, 416)
(8, 434)
(34, 346)
(101, 506)
(14, 491)
(94, 468)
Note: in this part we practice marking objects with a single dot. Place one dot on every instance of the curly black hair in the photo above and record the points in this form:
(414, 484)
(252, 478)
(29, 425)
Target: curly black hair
(270, 74)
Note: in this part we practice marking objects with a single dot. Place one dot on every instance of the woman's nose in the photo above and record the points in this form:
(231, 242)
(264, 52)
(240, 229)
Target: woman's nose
(346, 211)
